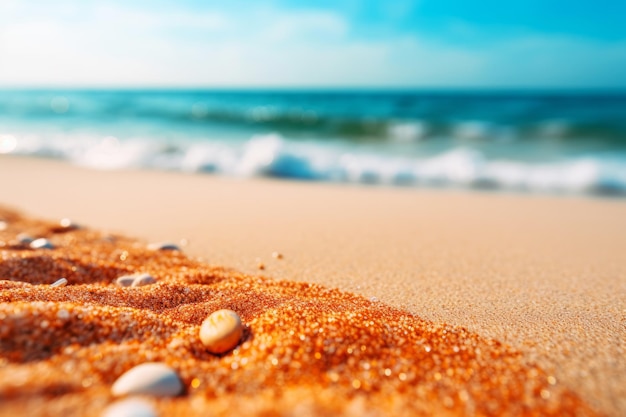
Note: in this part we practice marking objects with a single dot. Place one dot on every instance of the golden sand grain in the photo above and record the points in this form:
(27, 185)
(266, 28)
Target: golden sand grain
(306, 349)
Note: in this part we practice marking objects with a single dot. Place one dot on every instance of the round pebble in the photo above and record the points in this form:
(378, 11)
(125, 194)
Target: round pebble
(41, 243)
(59, 283)
(68, 224)
(24, 238)
(125, 280)
(221, 331)
(143, 279)
(3, 225)
(135, 280)
(131, 407)
(163, 246)
(150, 378)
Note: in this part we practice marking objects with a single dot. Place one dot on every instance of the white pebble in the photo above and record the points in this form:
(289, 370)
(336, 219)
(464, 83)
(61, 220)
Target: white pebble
(60, 283)
(143, 279)
(3, 225)
(41, 243)
(221, 331)
(131, 407)
(163, 246)
(149, 378)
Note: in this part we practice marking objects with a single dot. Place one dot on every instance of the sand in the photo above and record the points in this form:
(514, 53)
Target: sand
(545, 275)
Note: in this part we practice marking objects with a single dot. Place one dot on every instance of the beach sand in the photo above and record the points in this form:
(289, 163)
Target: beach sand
(543, 275)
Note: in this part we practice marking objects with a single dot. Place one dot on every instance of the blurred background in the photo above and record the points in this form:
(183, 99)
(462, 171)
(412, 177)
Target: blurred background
(524, 96)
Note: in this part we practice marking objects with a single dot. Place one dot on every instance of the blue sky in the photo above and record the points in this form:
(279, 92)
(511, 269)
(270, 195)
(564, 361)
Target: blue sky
(340, 43)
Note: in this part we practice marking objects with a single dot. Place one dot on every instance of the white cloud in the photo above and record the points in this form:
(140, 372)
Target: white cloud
(72, 44)
(305, 24)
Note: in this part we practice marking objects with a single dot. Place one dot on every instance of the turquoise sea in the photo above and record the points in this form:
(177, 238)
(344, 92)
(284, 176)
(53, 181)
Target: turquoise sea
(556, 142)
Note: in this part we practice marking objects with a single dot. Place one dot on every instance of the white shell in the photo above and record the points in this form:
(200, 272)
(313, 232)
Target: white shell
(150, 378)
(221, 331)
(132, 407)
(59, 283)
(41, 243)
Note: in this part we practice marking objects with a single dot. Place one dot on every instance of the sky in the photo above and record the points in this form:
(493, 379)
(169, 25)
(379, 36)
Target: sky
(313, 44)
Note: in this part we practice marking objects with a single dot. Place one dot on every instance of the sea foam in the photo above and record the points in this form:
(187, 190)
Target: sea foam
(272, 155)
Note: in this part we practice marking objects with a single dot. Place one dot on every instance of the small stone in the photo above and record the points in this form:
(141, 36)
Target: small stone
(143, 279)
(125, 280)
(135, 280)
(277, 255)
(68, 224)
(60, 283)
(150, 378)
(261, 265)
(131, 407)
(41, 243)
(24, 238)
(163, 246)
(221, 331)
(3, 225)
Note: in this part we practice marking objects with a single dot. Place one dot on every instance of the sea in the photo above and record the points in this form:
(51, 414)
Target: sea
(541, 142)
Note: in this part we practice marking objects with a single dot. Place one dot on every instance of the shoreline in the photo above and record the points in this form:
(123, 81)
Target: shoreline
(543, 274)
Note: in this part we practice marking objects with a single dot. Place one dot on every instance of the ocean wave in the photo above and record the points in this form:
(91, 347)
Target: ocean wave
(356, 117)
(271, 155)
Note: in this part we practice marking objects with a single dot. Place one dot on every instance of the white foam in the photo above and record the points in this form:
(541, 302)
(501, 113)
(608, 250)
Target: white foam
(274, 156)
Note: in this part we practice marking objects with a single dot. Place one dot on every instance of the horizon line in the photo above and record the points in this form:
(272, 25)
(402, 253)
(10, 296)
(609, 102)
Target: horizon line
(305, 88)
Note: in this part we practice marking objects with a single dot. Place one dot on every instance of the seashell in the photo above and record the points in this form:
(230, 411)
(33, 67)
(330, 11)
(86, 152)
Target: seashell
(150, 378)
(143, 279)
(163, 246)
(59, 283)
(221, 331)
(131, 407)
(41, 243)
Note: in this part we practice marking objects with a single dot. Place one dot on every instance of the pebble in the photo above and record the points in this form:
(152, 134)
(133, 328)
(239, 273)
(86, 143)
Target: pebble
(221, 331)
(277, 255)
(68, 224)
(41, 243)
(59, 283)
(143, 279)
(125, 280)
(131, 407)
(3, 225)
(163, 246)
(135, 280)
(150, 378)
(24, 238)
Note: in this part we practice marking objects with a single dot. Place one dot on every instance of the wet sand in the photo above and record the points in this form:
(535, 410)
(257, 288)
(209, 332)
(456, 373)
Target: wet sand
(544, 275)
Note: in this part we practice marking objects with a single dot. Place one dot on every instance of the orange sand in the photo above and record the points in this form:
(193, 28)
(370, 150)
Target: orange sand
(307, 349)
